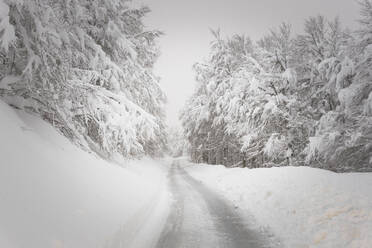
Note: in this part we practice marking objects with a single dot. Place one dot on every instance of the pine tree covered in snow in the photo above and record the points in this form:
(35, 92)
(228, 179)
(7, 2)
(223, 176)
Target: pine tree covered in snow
(86, 67)
(286, 100)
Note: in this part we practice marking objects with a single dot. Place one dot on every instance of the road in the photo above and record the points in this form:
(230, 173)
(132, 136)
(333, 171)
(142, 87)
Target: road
(202, 218)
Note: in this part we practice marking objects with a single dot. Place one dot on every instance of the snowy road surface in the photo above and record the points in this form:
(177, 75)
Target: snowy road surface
(201, 218)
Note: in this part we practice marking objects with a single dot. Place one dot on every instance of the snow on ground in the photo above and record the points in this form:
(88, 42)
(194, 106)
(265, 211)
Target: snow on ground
(53, 195)
(304, 207)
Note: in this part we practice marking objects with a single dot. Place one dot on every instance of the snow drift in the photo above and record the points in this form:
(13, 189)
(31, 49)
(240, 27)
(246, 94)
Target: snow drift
(304, 207)
(52, 194)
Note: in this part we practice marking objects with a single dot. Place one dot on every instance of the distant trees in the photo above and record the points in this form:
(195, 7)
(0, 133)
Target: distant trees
(177, 144)
(86, 67)
(286, 100)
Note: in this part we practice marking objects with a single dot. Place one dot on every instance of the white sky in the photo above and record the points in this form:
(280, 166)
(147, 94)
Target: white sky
(186, 25)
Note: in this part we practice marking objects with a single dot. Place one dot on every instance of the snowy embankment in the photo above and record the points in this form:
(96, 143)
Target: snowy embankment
(52, 194)
(303, 207)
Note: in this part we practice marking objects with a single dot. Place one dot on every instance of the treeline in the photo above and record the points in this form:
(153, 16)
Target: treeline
(85, 66)
(178, 145)
(287, 99)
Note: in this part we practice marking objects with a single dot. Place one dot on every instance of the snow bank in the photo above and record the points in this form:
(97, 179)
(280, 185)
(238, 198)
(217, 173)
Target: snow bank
(52, 194)
(304, 207)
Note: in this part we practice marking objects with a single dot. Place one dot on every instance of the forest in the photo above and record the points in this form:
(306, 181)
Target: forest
(268, 150)
(288, 99)
(86, 67)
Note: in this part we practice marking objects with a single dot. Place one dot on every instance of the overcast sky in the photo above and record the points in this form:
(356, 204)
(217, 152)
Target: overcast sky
(186, 24)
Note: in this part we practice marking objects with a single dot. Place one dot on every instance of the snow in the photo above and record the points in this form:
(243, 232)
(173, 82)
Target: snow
(270, 108)
(7, 32)
(368, 105)
(302, 206)
(52, 194)
(290, 76)
(275, 146)
(353, 94)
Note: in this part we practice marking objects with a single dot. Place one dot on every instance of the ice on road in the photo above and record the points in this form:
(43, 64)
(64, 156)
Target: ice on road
(201, 218)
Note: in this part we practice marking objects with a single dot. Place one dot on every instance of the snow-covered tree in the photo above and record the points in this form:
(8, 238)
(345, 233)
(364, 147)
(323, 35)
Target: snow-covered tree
(286, 100)
(177, 145)
(343, 136)
(86, 67)
(204, 116)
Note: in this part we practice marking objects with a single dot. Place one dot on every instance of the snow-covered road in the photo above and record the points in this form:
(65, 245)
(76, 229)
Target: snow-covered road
(53, 195)
(201, 218)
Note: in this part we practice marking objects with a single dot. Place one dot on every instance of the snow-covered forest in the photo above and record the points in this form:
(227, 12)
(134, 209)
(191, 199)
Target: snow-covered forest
(85, 67)
(288, 99)
(92, 154)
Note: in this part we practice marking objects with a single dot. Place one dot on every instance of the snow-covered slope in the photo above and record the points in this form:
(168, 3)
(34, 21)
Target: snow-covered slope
(304, 207)
(52, 194)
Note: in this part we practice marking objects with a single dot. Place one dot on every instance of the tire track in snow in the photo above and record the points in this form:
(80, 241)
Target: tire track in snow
(201, 218)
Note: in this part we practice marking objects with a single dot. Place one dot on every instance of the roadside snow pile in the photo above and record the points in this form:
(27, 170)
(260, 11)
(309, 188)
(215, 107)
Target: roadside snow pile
(53, 195)
(304, 207)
